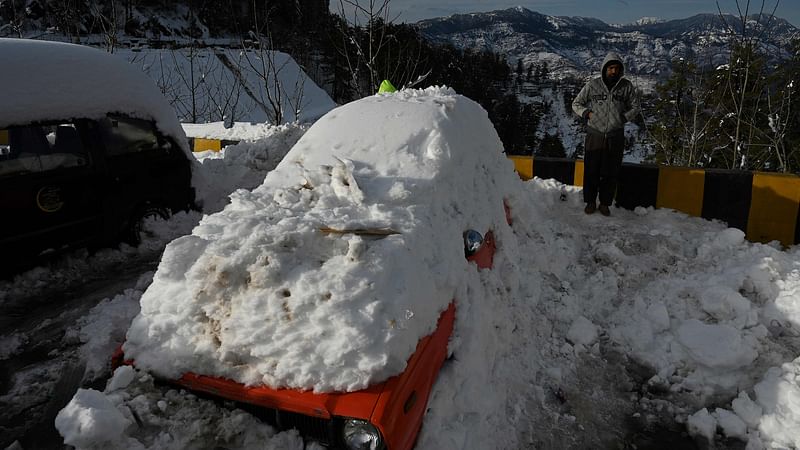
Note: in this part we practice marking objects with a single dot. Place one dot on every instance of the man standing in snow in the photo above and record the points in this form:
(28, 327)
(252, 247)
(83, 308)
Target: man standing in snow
(606, 103)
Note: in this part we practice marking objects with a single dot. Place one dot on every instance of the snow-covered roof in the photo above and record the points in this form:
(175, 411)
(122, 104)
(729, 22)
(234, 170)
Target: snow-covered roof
(235, 84)
(45, 81)
(261, 294)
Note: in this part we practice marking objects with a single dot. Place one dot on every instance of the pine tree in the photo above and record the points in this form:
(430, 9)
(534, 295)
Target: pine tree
(552, 147)
(529, 123)
(506, 119)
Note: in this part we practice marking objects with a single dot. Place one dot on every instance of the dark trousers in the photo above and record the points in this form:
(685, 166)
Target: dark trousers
(601, 164)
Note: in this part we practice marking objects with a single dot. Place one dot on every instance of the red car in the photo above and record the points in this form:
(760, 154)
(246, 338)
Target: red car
(386, 415)
(241, 310)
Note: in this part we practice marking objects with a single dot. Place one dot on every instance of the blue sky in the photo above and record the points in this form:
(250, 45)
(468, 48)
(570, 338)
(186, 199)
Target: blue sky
(611, 11)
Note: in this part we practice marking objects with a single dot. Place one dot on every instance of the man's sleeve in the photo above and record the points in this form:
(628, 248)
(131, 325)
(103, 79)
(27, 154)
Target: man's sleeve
(631, 104)
(580, 104)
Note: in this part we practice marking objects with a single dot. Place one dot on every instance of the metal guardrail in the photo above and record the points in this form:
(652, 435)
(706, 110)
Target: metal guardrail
(764, 205)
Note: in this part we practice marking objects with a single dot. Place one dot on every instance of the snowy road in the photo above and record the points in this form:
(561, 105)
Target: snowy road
(46, 319)
(45, 354)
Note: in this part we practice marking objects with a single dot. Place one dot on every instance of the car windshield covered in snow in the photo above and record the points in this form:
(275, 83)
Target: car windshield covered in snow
(327, 276)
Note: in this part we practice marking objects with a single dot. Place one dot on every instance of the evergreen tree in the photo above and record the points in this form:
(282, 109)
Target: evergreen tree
(506, 118)
(529, 123)
(552, 147)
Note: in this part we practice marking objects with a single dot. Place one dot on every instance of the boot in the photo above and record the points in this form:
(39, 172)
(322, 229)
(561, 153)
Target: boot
(604, 210)
(590, 208)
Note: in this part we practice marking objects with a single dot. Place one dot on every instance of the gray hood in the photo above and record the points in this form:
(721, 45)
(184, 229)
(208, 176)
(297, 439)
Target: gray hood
(611, 57)
(610, 106)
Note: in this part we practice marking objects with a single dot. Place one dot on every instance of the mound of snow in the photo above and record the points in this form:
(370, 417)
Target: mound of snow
(124, 415)
(260, 293)
(242, 165)
(90, 418)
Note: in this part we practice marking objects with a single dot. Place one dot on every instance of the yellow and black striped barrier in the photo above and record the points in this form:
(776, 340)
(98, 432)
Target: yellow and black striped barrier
(764, 205)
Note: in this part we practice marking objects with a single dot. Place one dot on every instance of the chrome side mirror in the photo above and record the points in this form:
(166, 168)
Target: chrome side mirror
(472, 242)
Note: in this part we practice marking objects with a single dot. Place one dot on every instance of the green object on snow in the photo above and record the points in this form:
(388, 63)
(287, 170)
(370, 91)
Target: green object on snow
(386, 86)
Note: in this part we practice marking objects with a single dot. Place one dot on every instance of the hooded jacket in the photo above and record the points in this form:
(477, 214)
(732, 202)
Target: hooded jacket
(610, 107)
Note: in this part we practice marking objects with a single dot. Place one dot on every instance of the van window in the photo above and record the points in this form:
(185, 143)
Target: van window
(125, 135)
(40, 148)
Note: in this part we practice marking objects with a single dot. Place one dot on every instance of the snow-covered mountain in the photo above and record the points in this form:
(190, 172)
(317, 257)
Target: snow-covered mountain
(648, 21)
(575, 45)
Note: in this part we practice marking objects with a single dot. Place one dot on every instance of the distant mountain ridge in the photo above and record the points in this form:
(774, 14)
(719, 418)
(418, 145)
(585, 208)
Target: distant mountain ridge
(577, 45)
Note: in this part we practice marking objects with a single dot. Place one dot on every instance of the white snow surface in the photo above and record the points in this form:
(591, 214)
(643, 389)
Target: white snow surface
(242, 165)
(89, 418)
(56, 81)
(237, 131)
(259, 294)
(710, 318)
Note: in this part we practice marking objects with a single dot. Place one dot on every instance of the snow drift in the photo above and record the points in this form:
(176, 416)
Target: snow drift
(271, 291)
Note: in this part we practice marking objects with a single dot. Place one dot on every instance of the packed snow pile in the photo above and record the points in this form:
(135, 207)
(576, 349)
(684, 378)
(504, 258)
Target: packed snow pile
(236, 131)
(537, 344)
(242, 165)
(710, 318)
(327, 275)
(109, 420)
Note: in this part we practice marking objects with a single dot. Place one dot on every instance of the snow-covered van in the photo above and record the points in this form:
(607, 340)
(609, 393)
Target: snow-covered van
(88, 148)
(327, 298)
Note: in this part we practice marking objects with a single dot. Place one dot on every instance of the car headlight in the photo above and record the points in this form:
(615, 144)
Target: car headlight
(361, 435)
(472, 242)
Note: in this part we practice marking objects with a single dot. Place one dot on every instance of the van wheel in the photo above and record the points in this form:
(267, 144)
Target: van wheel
(137, 229)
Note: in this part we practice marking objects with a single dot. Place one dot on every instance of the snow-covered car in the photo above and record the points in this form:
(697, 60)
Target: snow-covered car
(325, 299)
(89, 148)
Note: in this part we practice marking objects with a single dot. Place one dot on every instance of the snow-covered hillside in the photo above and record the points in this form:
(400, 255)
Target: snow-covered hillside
(571, 46)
